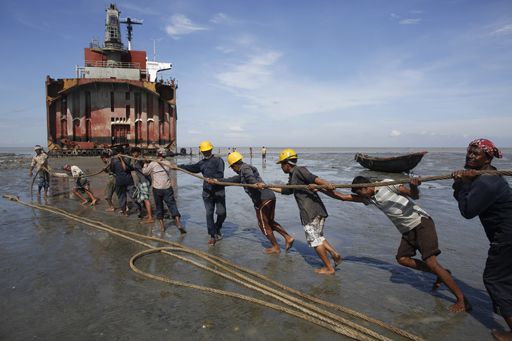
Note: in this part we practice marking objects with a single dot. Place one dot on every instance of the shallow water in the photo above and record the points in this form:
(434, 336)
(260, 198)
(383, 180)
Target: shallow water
(63, 280)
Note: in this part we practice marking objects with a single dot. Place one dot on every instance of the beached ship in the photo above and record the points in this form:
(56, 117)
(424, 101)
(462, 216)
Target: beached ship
(115, 99)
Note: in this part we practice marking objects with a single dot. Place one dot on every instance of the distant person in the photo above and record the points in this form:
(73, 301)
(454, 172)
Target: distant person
(250, 152)
(264, 200)
(264, 154)
(311, 207)
(82, 185)
(214, 196)
(490, 198)
(110, 186)
(143, 187)
(40, 163)
(163, 192)
(417, 229)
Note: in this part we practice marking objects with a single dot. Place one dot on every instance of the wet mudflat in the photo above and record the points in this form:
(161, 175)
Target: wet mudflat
(63, 280)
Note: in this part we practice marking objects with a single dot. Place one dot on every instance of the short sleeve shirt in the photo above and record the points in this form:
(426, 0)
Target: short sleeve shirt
(309, 203)
(402, 211)
(76, 172)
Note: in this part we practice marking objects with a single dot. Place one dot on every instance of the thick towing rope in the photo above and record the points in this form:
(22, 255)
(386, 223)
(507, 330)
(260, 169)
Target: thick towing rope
(293, 302)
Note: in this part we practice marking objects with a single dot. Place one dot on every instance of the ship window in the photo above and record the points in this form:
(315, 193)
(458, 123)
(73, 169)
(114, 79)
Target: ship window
(112, 101)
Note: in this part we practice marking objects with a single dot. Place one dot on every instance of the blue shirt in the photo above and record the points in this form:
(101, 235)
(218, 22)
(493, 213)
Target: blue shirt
(212, 167)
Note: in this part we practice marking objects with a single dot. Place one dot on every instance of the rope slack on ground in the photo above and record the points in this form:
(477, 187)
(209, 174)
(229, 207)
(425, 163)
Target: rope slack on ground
(292, 301)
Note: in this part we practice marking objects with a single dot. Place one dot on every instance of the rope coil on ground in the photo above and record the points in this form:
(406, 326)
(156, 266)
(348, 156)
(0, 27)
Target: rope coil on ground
(294, 306)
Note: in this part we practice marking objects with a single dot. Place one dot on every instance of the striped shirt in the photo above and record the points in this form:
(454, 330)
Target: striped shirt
(401, 210)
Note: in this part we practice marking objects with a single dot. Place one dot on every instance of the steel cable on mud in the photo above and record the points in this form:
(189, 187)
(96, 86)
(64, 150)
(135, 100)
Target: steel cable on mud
(303, 310)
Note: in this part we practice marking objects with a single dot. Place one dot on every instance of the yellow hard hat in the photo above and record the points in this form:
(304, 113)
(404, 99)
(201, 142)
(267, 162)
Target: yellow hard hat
(205, 146)
(234, 158)
(287, 154)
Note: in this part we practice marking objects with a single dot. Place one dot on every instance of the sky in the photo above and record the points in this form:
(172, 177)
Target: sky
(366, 73)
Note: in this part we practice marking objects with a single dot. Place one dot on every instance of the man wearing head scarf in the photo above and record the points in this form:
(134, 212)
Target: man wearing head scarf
(40, 163)
(490, 198)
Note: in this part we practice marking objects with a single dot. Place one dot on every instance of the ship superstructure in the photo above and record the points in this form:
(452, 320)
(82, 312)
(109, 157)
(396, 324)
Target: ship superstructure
(114, 99)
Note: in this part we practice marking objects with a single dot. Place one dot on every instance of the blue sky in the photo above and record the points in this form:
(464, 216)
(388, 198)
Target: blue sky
(361, 73)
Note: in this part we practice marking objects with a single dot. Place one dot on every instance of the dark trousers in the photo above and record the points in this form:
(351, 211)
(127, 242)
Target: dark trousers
(122, 191)
(265, 212)
(215, 201)
(165, 195)
(498, 278)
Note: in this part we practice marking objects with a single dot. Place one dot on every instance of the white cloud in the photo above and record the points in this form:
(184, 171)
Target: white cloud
(181, 25)
(395, 133)
(504, 30)
(224, 49)
(219, 18)
(251, 74)
(410, 21)
(236, 129)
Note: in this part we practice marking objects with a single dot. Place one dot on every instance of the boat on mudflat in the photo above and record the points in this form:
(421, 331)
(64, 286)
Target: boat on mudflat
(393, 164)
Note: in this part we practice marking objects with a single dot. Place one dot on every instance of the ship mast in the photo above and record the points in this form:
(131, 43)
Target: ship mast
(129, 22)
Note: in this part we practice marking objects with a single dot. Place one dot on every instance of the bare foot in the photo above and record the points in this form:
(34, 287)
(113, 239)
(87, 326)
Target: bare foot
(289, 243)
(272, 250)
(147, 221)
(337, 259)
(84, 202)
(458, 307)
(93, 203)
(325, 271)
(211, 241)
(110, 209)
(501, 335)
(182, 229)
(125, 213)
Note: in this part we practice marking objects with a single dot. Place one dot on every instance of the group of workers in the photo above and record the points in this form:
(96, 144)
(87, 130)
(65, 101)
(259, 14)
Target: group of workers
(487, 196)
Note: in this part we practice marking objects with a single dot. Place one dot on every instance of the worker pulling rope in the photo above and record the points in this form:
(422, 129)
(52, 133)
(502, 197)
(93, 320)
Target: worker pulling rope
(371, 184)
(295, 303)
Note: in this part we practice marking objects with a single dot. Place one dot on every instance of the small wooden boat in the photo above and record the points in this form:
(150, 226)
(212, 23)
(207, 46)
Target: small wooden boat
(394, 164)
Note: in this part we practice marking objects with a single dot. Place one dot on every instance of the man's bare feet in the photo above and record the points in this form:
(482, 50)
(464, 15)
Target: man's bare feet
(110, 209)
(182, 229)
(458, 307)
(501, 335)
(211, 241)
(147, 221)
(84, 202)
(337, 259)
(272, 250)
(325, 271)
(93, 203)
(289, 244)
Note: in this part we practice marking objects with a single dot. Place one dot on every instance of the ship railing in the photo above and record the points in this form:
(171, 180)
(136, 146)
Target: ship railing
(107, 64)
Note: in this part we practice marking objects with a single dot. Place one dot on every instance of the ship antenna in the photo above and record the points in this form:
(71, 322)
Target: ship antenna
(129, 22)
(154, 50)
